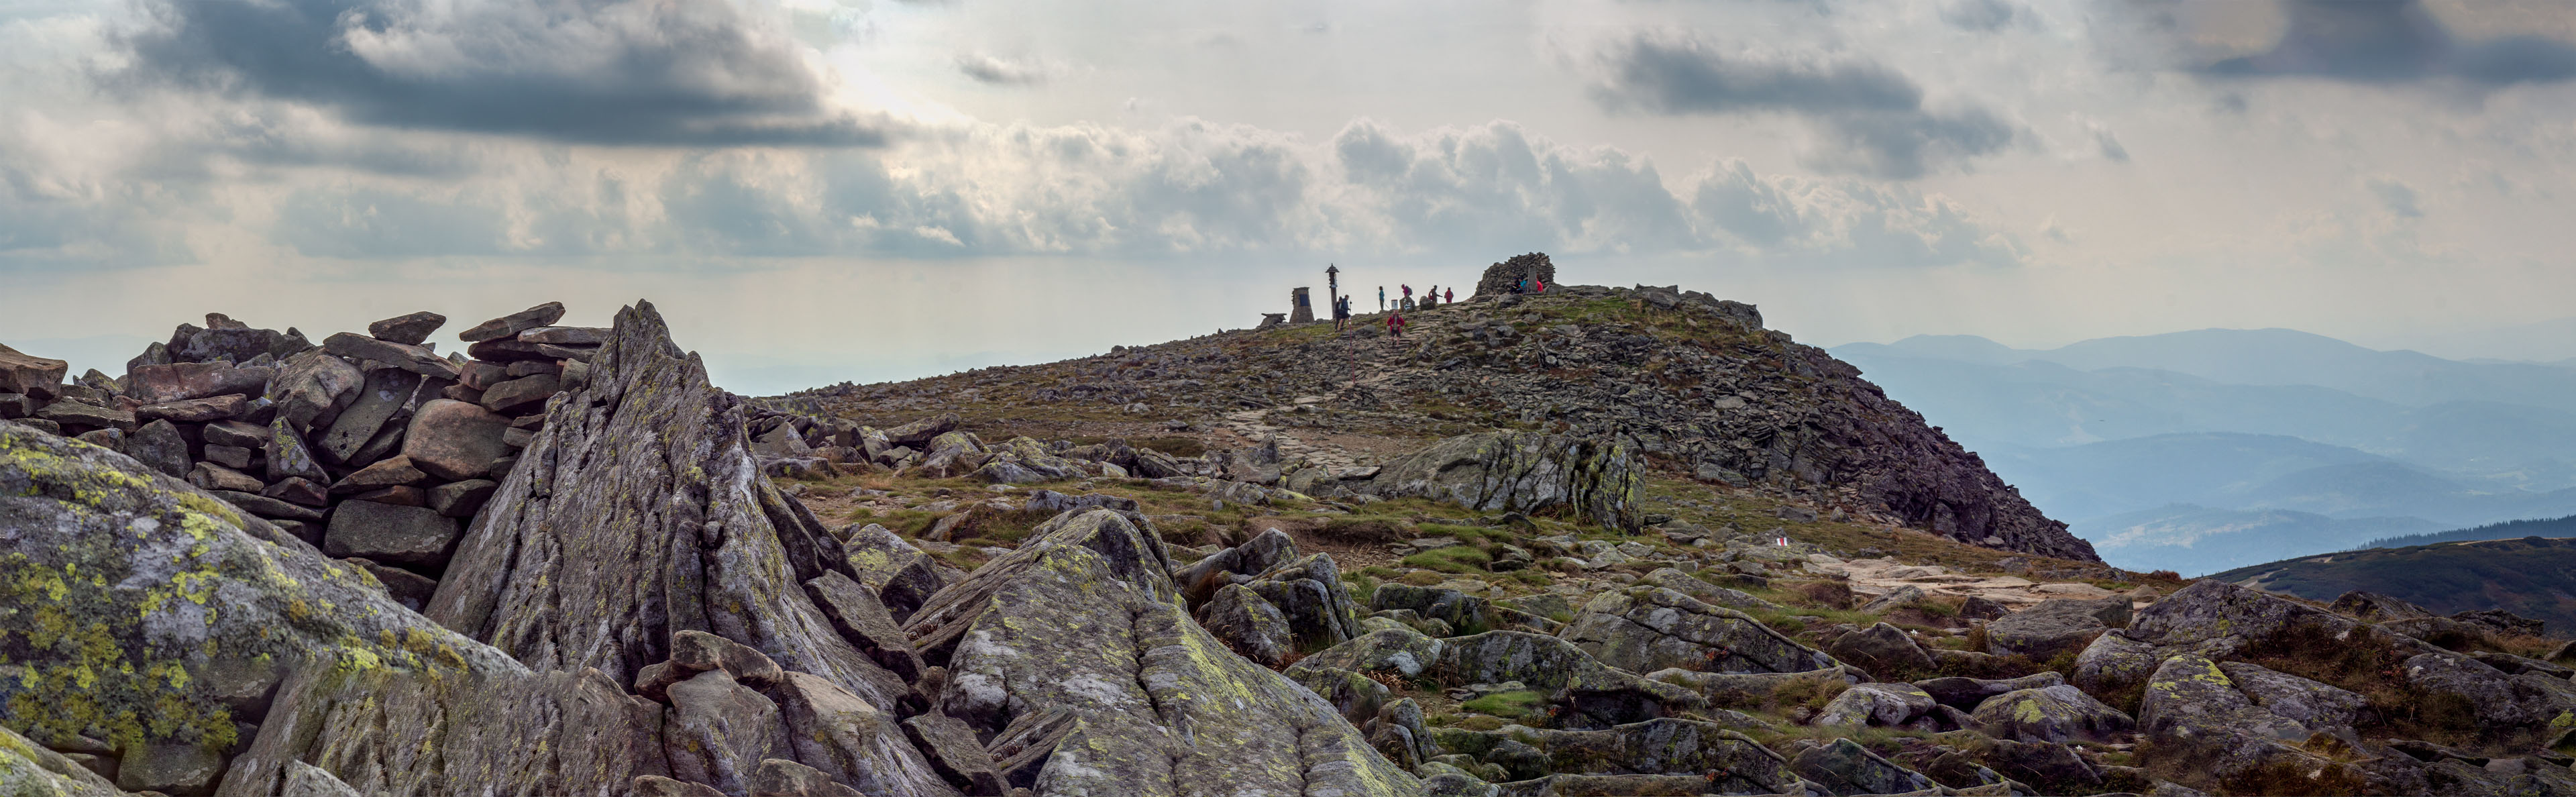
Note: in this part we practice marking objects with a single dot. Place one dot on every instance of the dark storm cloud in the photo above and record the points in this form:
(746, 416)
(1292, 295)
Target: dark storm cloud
(629, 72)
(2396, 41)
(1873, 118)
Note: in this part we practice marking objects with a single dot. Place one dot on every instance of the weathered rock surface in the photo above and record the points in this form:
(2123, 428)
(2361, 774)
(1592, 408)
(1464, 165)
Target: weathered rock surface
(1519, 471)
(162, 616)
(645, 473)
(2054, 714)
(454, 440)
(1728, 762)
(2054, 627)
(1648, 629)
(1093, 591)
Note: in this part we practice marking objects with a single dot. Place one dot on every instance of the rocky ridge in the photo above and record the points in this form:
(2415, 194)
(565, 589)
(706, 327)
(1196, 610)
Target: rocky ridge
(674, 590)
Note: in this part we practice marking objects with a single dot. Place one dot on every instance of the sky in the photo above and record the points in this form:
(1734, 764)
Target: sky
(825, 190)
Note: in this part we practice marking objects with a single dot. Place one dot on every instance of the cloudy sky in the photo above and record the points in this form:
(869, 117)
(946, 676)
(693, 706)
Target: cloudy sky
(818, 190)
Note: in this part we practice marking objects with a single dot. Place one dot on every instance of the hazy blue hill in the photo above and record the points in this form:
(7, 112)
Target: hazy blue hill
(2532, 577)
(2387, 488)
(2116, 476)
(2549, 527)
(2245, 444)
(2276, 357)
(2194, 540)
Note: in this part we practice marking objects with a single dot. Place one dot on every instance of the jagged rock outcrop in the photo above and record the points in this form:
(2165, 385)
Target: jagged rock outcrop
(1084, 617)
(1518, 471)
(645, 471)
(155, 620)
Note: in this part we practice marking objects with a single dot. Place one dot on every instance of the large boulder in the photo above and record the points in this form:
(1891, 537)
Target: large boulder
(2055, 627)
(1309, 593)
(2054, 714)
(1882, 649)
(154, 617)
(2207, 733)
(1519, 471)
(635, 513)
(1881, 704)
(312, 388)
(1646, 629)
(1093, 591)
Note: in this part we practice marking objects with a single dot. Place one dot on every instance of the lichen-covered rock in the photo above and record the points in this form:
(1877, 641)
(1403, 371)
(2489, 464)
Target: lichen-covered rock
(1728, 762)
(140, 608)
(1309, 593)
(1882, 649)
(1648, 629)
(395, 732)
(1968, 693)
(637, 512)
(1845, 767)
(718, 730)
(854, 743)
(29, 769)
(1460, 611)
(1248, 624)
(902, 575)
(2208, 733)
(1520, 471)
(1254, 557)
(1879, 704)
(2055, 714)
(1084, 617)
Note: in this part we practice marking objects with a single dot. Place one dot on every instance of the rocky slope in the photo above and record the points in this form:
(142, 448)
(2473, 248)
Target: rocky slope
(672, 590)
(1693, 382)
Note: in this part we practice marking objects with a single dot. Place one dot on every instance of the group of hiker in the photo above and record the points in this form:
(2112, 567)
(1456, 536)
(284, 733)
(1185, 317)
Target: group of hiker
(1406, 302)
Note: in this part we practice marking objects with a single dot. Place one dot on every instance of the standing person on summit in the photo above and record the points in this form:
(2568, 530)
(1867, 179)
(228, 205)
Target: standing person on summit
(1450, 297)
(1381, 298)
(1395, 324)
(1540, 284)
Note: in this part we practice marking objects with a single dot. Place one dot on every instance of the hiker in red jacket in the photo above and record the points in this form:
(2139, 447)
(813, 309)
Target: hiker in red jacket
(1395, 324)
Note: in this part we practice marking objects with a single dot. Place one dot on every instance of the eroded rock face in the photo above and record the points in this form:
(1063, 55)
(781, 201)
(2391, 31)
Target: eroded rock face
(1519, 471)
(1084, 617)
(176, 597)
(646, 473)
(392, 732)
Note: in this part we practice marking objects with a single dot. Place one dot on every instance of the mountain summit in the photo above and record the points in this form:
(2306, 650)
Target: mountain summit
(1697, 383)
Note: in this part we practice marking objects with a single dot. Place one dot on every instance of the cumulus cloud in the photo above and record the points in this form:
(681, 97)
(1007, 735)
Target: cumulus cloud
(2397, 41)
(993, 70)
(626, 72)
(1843, 222)
(1871, 119)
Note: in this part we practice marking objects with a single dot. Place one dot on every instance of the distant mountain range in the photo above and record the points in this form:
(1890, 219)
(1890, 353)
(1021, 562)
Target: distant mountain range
(2205, 450)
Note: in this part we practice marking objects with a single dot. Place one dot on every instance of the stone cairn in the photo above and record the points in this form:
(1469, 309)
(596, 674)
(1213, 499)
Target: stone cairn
(1500, 277)
(373, 447)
